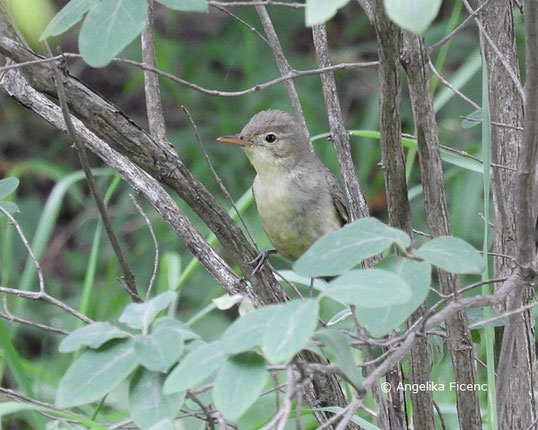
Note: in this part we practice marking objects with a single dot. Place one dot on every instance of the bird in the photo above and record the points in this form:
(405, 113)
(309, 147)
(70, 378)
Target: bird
(298, 199)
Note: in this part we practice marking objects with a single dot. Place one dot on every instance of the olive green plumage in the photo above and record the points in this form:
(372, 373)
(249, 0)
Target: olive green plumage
(298, 198)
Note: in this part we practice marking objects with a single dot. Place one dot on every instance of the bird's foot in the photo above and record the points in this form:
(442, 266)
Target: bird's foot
(260, 260)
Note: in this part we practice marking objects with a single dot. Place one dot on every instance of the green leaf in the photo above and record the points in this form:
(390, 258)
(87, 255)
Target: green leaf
(339, 251)
(320, 11)
(371, 288)
(417, 274)
(186, 5)
(180, 328)
(195, 367)
(452, 254)
(95, 374)
(163, 425)
(289, 329)
(148, 405)
(9, 207)
(238, 384)
(413, 15)
(247, 332)
(160, 350)
(109, 27)
(7, 186)
(93, 335)
(337, 343)
(67, 17)
(475, 118)
(141, 315)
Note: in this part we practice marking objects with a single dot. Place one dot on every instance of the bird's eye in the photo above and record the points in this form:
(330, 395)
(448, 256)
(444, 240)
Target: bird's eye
(270, 138)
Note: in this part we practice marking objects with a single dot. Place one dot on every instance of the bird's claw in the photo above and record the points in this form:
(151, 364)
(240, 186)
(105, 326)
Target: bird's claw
(260, 260)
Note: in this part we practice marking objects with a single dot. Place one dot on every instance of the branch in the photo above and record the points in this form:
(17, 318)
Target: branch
(156, 158)
(416, 61)
(128, 277)
(339, 134)
(283, 66)
(14, 84)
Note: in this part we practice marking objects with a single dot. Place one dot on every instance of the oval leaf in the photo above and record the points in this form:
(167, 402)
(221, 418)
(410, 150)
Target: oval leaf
(339, 251)
(320, 11)
(148, 405)
(109, 27)
(195, 367)
(7, 186)
(413, 15)
(179, 327)
(186, 5)
(417, 274)
(247, 332)
(239, 383)
(96, 373)
(452, 254)
(337, 343)
(372, 288)
(9, 207)
(67, 17)
(289, 329)
(141, 315)
(160, 350)
(93, 335)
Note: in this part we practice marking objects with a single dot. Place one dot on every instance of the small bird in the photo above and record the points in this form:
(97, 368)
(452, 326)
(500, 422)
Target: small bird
(298, 198)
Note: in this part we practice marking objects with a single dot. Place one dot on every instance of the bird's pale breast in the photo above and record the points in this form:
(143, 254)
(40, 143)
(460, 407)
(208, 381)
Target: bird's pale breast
(291, 207)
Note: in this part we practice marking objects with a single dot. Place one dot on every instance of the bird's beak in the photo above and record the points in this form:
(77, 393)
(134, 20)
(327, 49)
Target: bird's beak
(236, 139)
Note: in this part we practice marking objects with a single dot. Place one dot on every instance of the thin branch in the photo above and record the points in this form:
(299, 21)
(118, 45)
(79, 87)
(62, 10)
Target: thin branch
(452, 87)
(81, 150)
(154, 107)
(242, 21)
(221, 185)
(340, 136)
(12, 318)
(29, 249)
(482, 323)
(256, 3)
(44, 297)
(194, 398)
(31, 63)
(283, 66)
(155, 245)
(499, 54)
(457, 29)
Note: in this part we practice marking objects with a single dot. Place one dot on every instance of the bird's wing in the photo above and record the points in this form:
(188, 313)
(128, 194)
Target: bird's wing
(338, 196)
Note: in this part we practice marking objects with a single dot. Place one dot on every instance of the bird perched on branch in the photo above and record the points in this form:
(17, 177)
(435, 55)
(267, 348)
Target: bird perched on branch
(298, 198)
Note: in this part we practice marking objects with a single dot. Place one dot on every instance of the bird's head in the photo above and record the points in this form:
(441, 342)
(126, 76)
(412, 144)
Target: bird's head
(271, 139)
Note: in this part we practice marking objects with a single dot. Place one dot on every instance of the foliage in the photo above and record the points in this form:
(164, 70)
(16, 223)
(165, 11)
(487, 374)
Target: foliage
(235, 365)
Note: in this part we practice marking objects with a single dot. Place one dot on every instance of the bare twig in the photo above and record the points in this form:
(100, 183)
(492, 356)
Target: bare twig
(499, 54)
(221, 185)
(256, 3)
(340, 136)
(242, 21)
(155, 245)
(452, 87)
(42, 296)
(283, 66)
(81, 150)
(195, 399)
(154, 108)
(457, 29)
(29, 249)
(482, 323)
